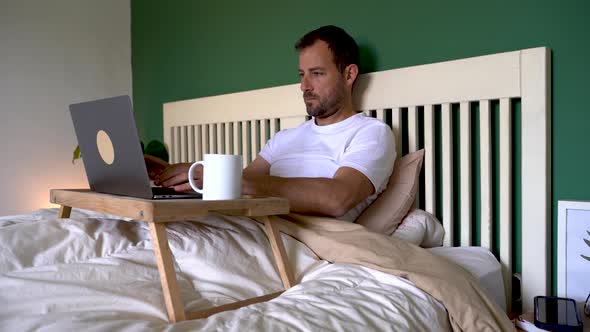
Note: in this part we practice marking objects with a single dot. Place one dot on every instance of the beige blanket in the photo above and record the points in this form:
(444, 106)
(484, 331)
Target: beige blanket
(469, 308)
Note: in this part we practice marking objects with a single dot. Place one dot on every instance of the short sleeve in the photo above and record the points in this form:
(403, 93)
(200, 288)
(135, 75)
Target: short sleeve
(372, 152)
(269, 149)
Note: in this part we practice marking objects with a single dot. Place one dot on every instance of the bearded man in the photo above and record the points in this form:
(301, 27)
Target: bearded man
(335, 164)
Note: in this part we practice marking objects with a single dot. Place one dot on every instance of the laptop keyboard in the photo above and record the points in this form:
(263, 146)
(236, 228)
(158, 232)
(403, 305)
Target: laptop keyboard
(162, 192)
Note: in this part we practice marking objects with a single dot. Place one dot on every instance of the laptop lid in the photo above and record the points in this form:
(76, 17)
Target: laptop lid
(110, 147)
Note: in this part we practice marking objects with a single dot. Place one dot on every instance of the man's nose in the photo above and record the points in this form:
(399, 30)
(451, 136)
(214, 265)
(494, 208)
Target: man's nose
(304, 86)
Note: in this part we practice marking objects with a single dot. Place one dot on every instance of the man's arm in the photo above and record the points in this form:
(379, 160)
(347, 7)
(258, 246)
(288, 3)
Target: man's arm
(332, 197)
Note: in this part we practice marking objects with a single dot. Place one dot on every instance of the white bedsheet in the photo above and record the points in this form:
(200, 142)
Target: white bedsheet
(482, 264)
(97, 272)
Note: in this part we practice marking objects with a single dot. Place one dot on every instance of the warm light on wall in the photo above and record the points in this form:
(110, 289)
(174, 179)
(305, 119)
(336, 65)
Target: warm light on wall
(66, 177)
(41, 201)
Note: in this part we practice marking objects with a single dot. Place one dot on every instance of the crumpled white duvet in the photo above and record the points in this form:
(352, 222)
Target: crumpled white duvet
(97, 272)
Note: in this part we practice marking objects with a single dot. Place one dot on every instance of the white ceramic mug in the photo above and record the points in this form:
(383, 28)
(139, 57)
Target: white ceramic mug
(222, 176)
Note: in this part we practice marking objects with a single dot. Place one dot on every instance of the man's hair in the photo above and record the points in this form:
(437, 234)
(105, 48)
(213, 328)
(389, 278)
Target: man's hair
(345, 50)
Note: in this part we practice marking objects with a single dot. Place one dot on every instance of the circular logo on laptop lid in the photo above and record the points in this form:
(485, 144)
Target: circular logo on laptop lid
(105, 147)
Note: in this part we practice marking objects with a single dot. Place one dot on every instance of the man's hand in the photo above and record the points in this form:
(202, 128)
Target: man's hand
(176, 176)
(154, 165)
(254, 175)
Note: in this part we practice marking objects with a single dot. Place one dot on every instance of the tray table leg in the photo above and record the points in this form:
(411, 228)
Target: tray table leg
(278, 249)
(64, 211)
(280, 256)
(164, 258)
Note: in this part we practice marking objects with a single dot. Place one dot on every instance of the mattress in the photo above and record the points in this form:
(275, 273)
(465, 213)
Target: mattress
(482, 264)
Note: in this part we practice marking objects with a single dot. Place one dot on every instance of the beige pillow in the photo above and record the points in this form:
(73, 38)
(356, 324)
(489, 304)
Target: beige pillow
(388, 210)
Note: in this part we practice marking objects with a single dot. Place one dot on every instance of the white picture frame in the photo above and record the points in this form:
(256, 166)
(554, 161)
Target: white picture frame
(573, 250)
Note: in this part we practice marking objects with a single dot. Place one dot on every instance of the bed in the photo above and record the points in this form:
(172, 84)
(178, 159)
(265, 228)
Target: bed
(97, 271)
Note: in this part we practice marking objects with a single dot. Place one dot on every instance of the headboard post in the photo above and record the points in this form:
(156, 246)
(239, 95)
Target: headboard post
(536, 173)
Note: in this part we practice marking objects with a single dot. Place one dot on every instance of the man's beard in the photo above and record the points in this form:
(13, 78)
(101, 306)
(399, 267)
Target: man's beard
(325, 106)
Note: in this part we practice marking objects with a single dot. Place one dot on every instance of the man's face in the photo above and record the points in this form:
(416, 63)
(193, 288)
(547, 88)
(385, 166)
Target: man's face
(324, 88)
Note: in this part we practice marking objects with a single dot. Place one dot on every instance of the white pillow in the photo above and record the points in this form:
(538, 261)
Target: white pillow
(420, 228)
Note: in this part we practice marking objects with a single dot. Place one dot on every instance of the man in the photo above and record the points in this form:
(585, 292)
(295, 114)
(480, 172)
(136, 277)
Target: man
(334, 164)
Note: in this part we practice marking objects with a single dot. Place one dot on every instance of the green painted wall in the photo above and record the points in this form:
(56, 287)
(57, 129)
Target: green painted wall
(189, 49)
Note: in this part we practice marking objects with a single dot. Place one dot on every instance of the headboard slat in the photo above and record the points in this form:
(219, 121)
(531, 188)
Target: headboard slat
(273, 127)
(236, 137)
(255, 145)
(198, 146)
(245, 125)
(396, 126)
(465, 172)
(447, 173)
(184, 144)
(172, 142)
(264, 124)
(213, 137)
(485, 173)
(381, 114)
(429, 163)
(191, 143)
(413, 129)
(229, 140)
(412, 133)
(205, 137)
(506, 194)
(219, 139)
(178, 143)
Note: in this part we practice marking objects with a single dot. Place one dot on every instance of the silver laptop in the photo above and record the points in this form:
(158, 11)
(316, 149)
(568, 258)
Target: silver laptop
(111, 150)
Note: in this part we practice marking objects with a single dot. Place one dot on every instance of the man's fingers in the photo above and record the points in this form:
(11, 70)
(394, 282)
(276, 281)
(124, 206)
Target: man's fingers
(175, 180)
(173, 171)
(183, 187)
(169, 174)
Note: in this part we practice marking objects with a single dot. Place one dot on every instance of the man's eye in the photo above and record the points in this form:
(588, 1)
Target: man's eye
(317, 73)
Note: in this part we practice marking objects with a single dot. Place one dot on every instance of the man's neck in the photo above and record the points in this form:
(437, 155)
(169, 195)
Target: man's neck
(345, 112)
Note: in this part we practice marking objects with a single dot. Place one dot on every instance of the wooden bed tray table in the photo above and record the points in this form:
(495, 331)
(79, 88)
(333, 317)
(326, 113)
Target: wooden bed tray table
(158, 212)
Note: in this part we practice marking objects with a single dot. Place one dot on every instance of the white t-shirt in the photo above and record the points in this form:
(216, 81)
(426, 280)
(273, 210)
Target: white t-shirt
(360, 142)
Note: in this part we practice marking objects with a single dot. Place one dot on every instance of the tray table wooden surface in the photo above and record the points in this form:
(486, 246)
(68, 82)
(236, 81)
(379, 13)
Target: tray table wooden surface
(159, 212)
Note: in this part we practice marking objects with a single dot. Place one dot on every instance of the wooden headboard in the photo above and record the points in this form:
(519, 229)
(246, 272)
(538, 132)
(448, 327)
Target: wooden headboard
(485, 124)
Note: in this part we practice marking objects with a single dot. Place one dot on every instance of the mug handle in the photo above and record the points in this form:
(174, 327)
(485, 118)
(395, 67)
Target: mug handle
(190, 176)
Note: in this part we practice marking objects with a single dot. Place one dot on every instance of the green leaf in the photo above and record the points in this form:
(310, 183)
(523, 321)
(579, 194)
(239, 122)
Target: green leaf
(77, 154)
(157, 149)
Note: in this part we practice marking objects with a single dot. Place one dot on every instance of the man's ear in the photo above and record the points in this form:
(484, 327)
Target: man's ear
(350, 73)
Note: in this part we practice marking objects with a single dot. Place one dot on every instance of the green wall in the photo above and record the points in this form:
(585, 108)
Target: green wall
(189, 49)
